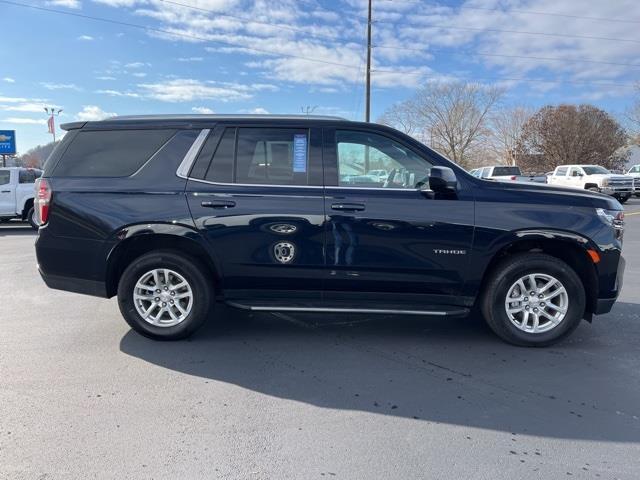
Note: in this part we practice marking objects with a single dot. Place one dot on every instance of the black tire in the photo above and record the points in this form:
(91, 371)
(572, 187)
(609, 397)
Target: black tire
(31, 218)
(506, 273)
(623, 199)
(187, 267)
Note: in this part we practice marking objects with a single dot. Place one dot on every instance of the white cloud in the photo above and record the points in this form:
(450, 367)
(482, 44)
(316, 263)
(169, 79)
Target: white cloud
(13, 99)
(65, 3)
(9, 80)
(139, 74)
(32, 107)
(105, 77)
(203, 110)
(60, 86)
(85, 38)
(25, 121)
(190, 59)
(187, 90)
(92, 113)
(137, 65)
(118, 93)
(259, 111)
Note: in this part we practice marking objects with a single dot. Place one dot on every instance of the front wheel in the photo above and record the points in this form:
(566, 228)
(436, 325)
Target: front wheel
(165, 295)
(533, 300)
(623, 199)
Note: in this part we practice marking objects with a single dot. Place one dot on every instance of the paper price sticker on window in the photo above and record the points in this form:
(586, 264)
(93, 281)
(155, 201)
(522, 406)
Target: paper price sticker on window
(299, 153)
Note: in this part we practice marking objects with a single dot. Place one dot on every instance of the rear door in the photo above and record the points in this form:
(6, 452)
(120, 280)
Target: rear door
(7, 193)
(256, 193)
(390, 245)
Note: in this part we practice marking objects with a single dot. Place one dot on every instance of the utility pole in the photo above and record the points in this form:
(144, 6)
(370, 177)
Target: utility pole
(308, 110)
(51, 124)
(367, 115)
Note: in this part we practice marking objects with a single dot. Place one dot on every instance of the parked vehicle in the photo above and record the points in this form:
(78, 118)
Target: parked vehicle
(506, 173)
(175, 213)
(16, 194)
(594, 178)
(635, 173)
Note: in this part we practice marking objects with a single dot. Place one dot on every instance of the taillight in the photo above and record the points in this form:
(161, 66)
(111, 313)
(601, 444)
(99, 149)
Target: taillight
(43, 200)
(513, 177)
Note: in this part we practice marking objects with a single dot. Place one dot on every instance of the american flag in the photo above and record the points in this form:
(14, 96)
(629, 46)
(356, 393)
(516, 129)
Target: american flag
(51, 124)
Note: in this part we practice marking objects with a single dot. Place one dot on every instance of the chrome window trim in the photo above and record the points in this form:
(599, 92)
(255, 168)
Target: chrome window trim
(331, 187)
(187, 162)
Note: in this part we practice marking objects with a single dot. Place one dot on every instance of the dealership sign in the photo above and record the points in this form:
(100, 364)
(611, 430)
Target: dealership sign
(7, 142)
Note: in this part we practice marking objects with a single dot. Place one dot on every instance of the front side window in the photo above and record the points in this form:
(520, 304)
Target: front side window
(272, 156)
(29, 176)
(369, 160)
(5, 177)
(574, 172)
(561, 172)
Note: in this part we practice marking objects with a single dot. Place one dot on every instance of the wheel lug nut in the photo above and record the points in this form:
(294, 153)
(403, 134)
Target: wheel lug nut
(164, 304)
(533, 294)
(171, 302)
(157, 299)
(526, 299)
(172, 292)
(526, 307)
(158, 291)
(540, 296)
(542, 304)
(535, 309)
(166, 288)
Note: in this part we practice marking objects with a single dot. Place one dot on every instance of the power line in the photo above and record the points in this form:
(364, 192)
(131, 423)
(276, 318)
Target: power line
(483, 54)
(272, 52)
(524, 12)
(520, 32)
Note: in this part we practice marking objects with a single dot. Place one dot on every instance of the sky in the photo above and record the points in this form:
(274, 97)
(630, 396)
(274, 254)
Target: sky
(282, 56)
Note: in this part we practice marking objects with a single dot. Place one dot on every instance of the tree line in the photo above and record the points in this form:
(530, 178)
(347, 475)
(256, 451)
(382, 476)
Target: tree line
(468, 123)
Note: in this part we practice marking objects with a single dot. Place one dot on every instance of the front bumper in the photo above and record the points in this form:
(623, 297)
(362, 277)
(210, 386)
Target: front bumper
(604, 305)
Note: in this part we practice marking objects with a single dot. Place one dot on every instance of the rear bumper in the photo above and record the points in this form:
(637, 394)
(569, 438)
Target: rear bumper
(76, 285)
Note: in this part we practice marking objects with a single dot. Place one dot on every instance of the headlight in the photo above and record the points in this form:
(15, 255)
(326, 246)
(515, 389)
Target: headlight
(605, 182)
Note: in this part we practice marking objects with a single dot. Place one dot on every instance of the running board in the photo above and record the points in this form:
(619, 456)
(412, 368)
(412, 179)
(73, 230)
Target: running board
(277, 308)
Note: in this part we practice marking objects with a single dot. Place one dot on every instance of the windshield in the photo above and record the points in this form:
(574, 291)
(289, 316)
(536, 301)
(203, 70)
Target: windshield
(595, 170)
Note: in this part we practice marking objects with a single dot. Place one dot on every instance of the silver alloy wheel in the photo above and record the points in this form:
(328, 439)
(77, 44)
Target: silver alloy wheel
(163, 297)
(536, 303)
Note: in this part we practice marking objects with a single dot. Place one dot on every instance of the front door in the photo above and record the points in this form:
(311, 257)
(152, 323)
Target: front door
(256, 194)
(388, 243)
(7, 197)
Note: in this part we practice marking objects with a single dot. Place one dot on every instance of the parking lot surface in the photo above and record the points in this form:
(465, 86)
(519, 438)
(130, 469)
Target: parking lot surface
(276, 396)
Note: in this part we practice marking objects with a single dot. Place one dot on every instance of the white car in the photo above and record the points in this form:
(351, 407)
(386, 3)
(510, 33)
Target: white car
(379, 175)
(595, 178)
(635, 173)
(17, 192)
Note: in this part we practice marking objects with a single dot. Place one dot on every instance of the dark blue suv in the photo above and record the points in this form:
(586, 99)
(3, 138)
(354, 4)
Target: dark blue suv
(314, 214)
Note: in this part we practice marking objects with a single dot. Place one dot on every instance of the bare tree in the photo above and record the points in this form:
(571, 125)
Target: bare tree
(569, 134)
(451, 117)
(506, 129)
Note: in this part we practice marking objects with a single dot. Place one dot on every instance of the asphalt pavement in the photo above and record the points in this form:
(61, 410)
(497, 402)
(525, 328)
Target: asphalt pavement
(284, 396)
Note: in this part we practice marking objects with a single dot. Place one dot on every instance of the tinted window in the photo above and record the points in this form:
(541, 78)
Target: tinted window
(221, 167)
(562, 171)
(5, 177)
(361, 154)
(272, 156)
(498, 171)
(486, 171)
(112, 153)
(29, 176)
(574, 172)
(595, 170)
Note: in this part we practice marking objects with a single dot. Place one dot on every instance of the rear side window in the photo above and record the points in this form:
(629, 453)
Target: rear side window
(110, 153)
(5, 177)
(221, 167)
(272, 156)
(562, 171)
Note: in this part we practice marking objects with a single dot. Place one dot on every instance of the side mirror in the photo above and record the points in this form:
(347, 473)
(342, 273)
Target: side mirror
(442, 180)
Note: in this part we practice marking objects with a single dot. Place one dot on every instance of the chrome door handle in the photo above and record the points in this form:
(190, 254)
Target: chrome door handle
(348, 207)
(218, 203)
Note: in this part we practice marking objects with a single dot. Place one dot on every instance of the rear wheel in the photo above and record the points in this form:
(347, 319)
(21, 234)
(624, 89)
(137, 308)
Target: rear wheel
(31, 218)
(533, 300)
(623, 199)
(165, 295)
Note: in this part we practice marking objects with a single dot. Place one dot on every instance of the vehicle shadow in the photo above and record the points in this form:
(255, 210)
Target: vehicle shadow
(16, 229)
(445, 371)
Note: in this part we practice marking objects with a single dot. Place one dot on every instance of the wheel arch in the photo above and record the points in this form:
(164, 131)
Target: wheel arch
(134, 242)
(26, 207)
(587, 186)
(569, 247)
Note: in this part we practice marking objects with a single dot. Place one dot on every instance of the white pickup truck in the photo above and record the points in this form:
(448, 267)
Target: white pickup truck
(505, 173)
(593, 177)
(17, 192)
